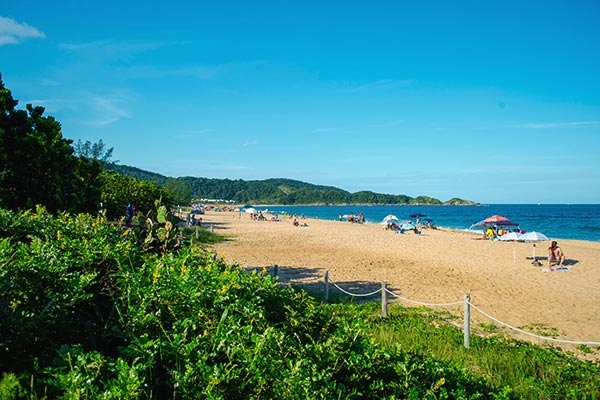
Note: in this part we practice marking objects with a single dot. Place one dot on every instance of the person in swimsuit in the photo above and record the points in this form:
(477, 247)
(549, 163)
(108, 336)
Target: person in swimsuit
(555, 254)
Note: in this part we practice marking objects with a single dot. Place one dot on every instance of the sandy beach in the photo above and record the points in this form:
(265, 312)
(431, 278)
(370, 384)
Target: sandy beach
(437, 266)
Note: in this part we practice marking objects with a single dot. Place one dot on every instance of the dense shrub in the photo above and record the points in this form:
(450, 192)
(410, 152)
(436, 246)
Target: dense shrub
(85, 313)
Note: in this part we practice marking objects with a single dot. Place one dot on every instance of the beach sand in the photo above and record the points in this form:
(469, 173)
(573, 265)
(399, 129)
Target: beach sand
(437, 266)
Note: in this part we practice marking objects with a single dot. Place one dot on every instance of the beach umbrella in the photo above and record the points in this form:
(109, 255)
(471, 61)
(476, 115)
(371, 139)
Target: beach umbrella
(534, 236)
(498, 220)
(251, 210)
(494, 220)
(389, 218)
(510, 236)
(417, 215)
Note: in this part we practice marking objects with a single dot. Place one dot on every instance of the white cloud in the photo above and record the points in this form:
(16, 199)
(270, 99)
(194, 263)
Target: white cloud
(52, 105)
(108, 109)
(546, 125)
(106, 47)
(12, 32)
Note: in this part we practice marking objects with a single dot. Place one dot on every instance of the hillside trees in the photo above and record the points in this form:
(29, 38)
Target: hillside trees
(178, 191)
(38, 165)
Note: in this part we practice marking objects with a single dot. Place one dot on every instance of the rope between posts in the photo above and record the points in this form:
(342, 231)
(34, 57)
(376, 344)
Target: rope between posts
(354, 294)
(529, 333)
(454, 303)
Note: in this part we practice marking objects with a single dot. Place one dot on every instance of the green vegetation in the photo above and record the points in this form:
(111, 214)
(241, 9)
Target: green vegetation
(277, 191)
(90, 310)
(88, 313)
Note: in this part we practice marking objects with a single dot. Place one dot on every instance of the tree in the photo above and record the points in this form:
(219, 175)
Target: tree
(119, 190)
(38, 165)
(96, 151)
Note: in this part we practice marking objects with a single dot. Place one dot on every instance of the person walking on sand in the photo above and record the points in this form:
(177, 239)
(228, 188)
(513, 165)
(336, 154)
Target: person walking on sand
(555, 254)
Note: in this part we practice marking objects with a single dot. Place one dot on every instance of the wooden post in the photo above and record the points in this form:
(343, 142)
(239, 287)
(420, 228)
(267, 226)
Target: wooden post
(326, 286)
(467, 322)
(384, 302)
(275, 270)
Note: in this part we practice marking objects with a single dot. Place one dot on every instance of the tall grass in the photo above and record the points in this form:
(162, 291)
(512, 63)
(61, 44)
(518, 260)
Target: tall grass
(532, 372)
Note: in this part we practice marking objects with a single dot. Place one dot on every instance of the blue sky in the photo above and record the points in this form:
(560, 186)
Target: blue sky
(496, 102)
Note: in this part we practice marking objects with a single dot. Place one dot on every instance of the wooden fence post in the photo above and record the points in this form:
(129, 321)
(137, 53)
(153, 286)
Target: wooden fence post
(467, 322)
(326, 286)
(384, 302)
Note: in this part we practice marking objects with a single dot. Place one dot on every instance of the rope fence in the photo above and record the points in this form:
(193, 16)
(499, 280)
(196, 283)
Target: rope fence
(466, 302)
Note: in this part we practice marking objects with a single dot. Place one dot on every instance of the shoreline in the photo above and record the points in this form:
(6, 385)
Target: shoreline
(564, 222)
(437, 266)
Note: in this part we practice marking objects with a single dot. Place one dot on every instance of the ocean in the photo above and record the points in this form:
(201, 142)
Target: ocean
(557, 221)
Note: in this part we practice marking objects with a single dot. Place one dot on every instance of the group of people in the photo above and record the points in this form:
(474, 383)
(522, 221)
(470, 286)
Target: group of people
(359, 218)
(191, 220)
(295, 222)
(399, 229)
(493, 233)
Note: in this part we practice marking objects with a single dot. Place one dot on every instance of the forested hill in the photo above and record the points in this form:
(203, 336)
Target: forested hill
(277, 191)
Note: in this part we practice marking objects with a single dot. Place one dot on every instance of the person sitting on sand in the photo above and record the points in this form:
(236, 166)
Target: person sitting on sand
(555, 254)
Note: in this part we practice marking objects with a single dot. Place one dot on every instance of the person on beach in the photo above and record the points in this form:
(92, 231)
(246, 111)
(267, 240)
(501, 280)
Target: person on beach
(555, 254)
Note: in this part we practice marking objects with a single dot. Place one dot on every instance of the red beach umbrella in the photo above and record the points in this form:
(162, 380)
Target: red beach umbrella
(497, 220)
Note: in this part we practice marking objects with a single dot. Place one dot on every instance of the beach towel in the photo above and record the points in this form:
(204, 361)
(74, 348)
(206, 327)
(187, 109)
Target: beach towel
(552, 269)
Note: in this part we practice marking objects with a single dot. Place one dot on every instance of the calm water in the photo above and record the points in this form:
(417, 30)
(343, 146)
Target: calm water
(581, 222)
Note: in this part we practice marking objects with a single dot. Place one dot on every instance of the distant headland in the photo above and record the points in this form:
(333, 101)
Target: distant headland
(279, 191)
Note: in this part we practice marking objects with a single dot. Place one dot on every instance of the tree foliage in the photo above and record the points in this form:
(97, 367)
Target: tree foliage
(120, 190)
(178, 191)
(38, 165)
(96, 151)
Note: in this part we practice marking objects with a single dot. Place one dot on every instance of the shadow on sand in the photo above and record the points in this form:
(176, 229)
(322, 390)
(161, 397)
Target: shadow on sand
(312, 280)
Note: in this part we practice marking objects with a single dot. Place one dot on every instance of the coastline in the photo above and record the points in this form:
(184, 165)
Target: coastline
(438, 266)
(579, 222)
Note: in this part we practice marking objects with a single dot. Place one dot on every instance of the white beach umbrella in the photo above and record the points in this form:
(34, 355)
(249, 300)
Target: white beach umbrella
(534, 236)
(389, 218)
(251, 210)
(511, 236)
